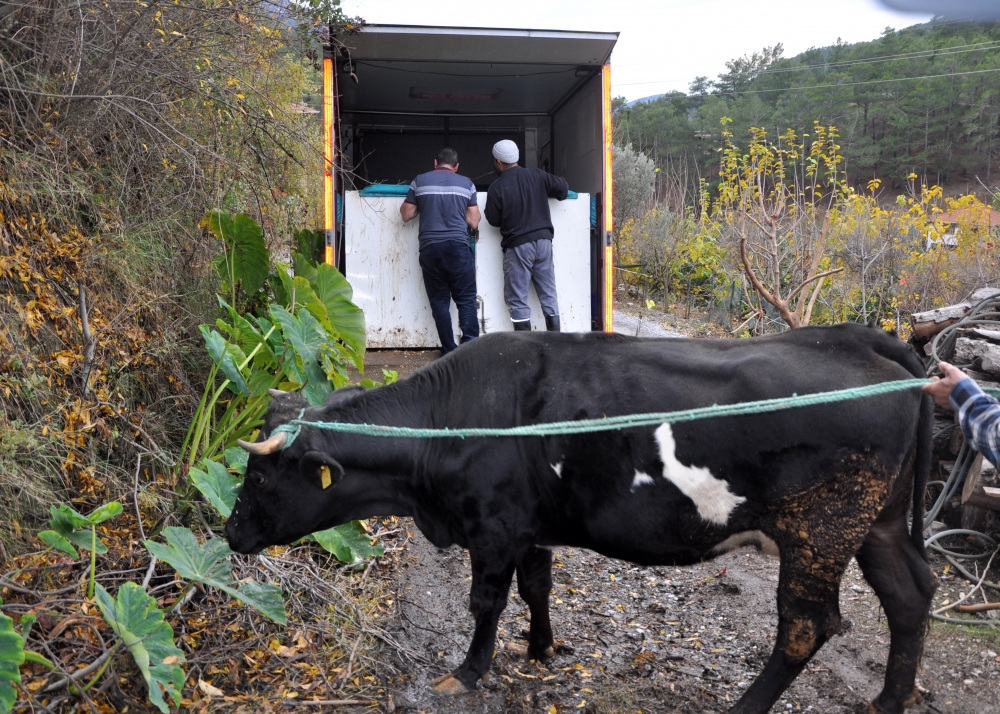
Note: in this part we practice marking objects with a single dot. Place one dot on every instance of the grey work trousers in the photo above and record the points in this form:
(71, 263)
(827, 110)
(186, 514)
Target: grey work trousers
(527, 263)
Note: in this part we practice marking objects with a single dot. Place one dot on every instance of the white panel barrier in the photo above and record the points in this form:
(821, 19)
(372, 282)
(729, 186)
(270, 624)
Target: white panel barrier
(383, 267)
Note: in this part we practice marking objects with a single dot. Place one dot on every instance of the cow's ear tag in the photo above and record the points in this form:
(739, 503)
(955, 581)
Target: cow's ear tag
(322, 465)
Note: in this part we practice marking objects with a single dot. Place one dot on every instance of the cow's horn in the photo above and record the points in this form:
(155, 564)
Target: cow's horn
(268, 446)
(277, 392)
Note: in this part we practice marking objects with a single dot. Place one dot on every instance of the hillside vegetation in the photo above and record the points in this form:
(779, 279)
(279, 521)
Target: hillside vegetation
(121, 124)
(158, 162)
(924, 100)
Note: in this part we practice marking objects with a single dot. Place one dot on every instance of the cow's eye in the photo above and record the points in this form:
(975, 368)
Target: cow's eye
(258, 479)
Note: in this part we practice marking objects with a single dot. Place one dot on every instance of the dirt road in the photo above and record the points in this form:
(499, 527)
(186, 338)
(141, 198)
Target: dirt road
(685, 640)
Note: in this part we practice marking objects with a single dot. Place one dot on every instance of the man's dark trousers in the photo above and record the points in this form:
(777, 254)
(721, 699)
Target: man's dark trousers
(450, 274)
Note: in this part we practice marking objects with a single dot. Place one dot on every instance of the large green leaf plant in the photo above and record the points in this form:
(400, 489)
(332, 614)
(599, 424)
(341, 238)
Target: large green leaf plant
(67, 527)
(303, 336)
(13, 655)
(244, 258)
(133, 615)
(11, 659)
(209, 564)
(139, 624)
(303, 339)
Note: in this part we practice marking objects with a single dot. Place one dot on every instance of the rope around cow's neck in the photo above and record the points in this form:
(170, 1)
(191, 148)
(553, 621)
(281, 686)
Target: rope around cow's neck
(586, 426)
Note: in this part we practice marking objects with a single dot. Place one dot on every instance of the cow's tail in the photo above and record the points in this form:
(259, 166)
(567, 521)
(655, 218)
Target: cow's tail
(921, 471)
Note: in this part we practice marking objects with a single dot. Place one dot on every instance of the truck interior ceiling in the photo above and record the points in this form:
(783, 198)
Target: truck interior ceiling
(404, 92)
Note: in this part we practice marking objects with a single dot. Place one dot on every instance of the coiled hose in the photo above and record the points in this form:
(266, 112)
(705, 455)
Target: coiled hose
(985, 314)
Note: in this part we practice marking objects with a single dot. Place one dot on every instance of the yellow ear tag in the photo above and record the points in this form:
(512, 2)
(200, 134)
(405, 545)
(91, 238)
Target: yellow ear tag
(324, 476)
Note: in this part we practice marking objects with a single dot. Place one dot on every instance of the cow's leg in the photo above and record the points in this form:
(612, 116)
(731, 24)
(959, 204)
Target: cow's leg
(491, 579)
(904, 584)
(817, 532)
(534, 582)
(808, 615)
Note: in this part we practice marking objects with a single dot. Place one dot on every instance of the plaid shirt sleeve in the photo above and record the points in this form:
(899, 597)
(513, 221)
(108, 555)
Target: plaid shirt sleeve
(979, 415)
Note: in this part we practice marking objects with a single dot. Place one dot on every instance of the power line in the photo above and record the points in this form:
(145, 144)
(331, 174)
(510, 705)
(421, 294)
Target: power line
(843, 84)
(873, 81)
(921, 54)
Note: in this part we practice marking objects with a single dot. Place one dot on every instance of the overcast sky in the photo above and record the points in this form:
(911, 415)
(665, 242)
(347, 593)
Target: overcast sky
(665, 44)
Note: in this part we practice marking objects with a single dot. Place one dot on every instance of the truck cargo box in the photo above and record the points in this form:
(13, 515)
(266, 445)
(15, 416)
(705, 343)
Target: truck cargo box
(398, 94)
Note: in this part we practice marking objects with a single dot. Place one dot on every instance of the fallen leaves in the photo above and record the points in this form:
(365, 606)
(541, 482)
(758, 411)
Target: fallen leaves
(208, 690)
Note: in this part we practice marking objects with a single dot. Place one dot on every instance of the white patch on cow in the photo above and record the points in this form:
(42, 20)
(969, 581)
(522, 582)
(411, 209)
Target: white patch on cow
(557, 468)
(641, 479)
(711, 496)
(754, 538)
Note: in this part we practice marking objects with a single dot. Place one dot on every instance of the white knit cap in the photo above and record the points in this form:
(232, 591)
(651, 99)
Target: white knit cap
(505, 151)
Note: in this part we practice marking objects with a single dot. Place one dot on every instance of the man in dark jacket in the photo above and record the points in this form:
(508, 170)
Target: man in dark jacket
(447, 204)
(518, 203)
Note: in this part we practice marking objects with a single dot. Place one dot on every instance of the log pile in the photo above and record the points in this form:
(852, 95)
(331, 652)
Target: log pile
(974, 347)
(980, 348)
(982, 487)
(969, 337)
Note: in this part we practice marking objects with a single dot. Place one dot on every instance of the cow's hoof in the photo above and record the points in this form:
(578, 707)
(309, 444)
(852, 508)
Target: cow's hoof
(916, 698)
(874, 708)
(449, 684)
(543, 656)
(523, 651)
(895, 707)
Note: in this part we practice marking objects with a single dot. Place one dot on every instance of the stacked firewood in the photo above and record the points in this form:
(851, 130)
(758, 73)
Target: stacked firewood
(974, 344)
(967, 335)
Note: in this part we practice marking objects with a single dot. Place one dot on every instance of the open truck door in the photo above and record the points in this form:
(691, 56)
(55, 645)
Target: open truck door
(397, 94)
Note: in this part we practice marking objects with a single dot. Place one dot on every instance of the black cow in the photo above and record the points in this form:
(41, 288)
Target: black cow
(823, 484)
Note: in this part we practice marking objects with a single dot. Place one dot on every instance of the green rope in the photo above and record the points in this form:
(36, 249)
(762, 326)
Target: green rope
(627, 421)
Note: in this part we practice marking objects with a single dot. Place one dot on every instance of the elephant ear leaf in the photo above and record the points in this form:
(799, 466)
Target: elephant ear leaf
(225, 355)
(305, 335)
(349, 543)
(246, 258)
(310, 244)
(134, 617)
(237, 459)
(250, 253)
(11, 659)
(208, 564)
(217, 485)
(57, 541)
(304, 267)
(68, 526)
(105, 512)
(66, 519)
(345, 317)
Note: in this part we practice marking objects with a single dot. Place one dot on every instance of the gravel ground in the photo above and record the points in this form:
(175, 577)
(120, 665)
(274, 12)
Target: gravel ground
(641, 326)
(658, 322)
(404, 362)
(665, 639)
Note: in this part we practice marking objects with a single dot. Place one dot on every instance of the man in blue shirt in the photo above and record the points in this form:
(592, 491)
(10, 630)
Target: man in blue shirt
(978, 413)
(448, 207)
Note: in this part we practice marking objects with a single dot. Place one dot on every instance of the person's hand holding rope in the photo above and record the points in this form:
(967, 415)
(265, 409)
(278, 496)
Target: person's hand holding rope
(940, 389)
(978, 412)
